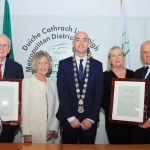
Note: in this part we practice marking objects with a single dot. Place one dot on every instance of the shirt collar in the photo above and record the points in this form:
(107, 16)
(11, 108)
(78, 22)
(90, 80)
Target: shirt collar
(78, 59)
(4, 62)
(146, 66)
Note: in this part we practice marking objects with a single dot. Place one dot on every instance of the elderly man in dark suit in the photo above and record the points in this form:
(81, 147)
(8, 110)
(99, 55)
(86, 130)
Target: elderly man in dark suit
(141, 133)
(80, 83)
(13, 70)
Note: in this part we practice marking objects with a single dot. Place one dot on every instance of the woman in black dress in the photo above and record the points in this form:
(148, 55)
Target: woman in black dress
(117, 133)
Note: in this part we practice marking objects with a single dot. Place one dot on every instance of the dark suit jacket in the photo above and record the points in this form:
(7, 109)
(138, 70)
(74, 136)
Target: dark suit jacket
(67, 92)
(13, 70)
(138, 74)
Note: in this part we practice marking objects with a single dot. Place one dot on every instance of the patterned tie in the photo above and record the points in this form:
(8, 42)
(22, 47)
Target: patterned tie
(145, 71)
(81, 70)
(0, 71)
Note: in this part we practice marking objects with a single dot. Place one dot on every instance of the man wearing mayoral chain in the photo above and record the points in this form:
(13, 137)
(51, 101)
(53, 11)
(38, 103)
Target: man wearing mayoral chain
(80, 87)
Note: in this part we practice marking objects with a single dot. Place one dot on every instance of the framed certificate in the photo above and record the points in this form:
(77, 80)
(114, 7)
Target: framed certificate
(10, 100)
(129, 99)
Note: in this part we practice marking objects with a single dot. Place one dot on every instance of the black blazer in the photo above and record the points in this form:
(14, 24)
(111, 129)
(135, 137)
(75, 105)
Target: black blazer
(13, 70)
(107, 89)
(138, 74)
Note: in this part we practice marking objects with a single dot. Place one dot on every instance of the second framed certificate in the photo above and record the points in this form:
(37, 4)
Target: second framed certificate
(129, 99)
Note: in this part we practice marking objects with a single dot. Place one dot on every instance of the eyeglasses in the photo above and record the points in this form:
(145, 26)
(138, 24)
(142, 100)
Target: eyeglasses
(43, 63)
(4, 46)
(145, 52)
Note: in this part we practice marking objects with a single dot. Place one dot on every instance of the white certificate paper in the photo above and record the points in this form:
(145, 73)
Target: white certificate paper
(9, 100)
(128, 103)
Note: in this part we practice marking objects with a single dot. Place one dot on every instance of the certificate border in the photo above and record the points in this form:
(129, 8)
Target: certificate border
(112, 99)
(19, 99)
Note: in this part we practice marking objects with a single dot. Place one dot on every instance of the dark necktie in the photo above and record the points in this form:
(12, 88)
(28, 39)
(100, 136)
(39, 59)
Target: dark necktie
(81, 70)
(0, 71)
(145, 71)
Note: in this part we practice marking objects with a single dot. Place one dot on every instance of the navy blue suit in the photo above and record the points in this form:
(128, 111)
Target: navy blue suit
(139, 135)
(12, 70)
(69, 102)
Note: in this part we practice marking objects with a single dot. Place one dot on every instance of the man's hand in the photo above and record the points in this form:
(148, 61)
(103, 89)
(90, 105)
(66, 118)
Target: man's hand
(27, 139)
(145, 125)
(13, 124)
(75, 123)
(50, 135)
(86, 124)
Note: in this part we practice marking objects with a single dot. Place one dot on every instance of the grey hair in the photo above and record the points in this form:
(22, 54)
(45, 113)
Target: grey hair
(3, 35)
(109, 65)
(39, 55)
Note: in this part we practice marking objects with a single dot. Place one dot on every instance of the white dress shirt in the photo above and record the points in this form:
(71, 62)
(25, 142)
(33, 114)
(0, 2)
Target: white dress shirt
(148, 71)
(83, 62)
(3, 67)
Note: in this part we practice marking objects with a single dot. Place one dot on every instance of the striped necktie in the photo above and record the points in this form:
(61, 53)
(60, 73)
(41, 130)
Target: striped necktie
(145, 71)
(0, 71)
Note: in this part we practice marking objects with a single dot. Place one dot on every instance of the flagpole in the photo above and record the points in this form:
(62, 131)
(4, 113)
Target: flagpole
(124, 37)
(120, 3)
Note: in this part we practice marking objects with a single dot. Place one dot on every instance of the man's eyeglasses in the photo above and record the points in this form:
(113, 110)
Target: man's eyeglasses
(4, 46)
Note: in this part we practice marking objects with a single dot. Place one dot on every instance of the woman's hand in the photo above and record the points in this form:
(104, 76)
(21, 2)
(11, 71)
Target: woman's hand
(27, 139)
(50, 135)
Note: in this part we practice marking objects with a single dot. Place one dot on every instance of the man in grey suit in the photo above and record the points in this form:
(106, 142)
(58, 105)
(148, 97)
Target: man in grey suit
(141, 133)
(13, 70)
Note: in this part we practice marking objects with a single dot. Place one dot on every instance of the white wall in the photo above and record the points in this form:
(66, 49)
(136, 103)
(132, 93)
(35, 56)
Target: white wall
(138, 8)
(101, 15)
(138, 14)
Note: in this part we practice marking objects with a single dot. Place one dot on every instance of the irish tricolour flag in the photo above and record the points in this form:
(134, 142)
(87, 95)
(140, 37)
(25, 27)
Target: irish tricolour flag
(7, 27)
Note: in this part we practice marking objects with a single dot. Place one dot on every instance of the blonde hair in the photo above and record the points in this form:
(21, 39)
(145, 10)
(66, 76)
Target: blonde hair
(109, 65)
(39, 55)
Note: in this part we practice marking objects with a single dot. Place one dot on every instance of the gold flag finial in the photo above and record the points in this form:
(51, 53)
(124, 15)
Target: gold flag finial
(121, 3)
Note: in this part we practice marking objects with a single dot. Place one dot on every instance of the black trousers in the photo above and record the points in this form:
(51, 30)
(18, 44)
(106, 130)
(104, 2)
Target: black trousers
(118, 133)
(78, 135)
(8, 133)
(140, 135)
